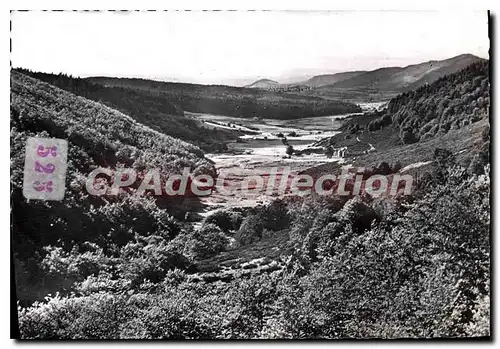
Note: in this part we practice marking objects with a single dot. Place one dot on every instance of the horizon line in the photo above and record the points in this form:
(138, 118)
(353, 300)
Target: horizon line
(253, 79)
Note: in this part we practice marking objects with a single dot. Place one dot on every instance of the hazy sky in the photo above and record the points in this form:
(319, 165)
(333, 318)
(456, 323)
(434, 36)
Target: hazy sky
(238, 47)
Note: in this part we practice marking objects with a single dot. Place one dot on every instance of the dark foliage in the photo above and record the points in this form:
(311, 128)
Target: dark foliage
(236, 101)
(151, 108)
(413, 269)
(52, 238)
(227, 220)
(451, 102)
(359, 267)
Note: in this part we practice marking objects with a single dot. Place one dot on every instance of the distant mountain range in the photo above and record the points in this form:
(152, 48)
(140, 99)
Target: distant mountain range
(407, 78)
(263, 83)
(329, 79)
(390, 79)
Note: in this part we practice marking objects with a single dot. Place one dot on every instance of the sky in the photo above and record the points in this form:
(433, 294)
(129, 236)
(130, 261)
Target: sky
(239, 47)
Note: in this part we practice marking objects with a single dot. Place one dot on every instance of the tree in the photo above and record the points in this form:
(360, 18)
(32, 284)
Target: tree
(408, 137)
(329, 151)
(384, 168)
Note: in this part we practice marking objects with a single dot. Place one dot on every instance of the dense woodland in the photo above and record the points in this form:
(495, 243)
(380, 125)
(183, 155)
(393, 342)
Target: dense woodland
(357, 267)
(236, 101)
(451, 102)
(151, 108)
(97, 136)
(150, 101)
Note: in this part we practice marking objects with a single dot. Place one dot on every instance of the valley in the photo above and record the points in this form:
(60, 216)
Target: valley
(261, 147)
(249, 255)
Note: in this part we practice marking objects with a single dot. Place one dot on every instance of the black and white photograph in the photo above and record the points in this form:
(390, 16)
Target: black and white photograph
(235, 175)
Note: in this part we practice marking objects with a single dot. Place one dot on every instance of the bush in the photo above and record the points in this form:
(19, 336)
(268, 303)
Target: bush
(225, 220)
(384, 168)
(207, 242)
(485, 134)
(478, 162)
(93, 317)
(150, 262)
(396, 167)
(353, 128)
(250, 230)
(408, 137)
(274, 216)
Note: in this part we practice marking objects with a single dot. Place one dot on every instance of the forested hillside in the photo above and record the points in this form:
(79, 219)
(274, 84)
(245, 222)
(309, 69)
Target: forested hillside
(451, 102)
(151, 108)
(407, 78)
(361, 267)
(330, 79)
(337, 267)
(386, 83)
(86, 225)
(357, 268)
(454, 110)
(235, 101)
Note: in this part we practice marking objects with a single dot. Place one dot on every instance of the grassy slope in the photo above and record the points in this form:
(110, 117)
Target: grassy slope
(462, 142)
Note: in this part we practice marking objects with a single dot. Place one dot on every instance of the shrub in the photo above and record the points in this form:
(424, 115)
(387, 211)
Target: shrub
(149, 261)
(396, 167)
(250, 230)
(274, 216)
(485, 134)
(207, 242)
(408, 137)
(384, 168)
(225, 220)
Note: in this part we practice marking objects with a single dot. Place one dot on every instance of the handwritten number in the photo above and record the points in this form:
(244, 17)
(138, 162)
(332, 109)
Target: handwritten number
(43, 152)
(49, 168)
(43, 186)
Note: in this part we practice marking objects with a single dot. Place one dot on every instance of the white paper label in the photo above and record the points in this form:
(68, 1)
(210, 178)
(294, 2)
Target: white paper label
(45, 168)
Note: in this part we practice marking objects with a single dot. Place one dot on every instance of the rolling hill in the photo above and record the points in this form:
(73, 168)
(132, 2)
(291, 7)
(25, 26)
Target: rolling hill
(402, 79)
(150, 108)
(97, 136)
(375, 85)
(445, 111)
(315, 81)
(263, 83)
(234, 101)
(329, 79)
